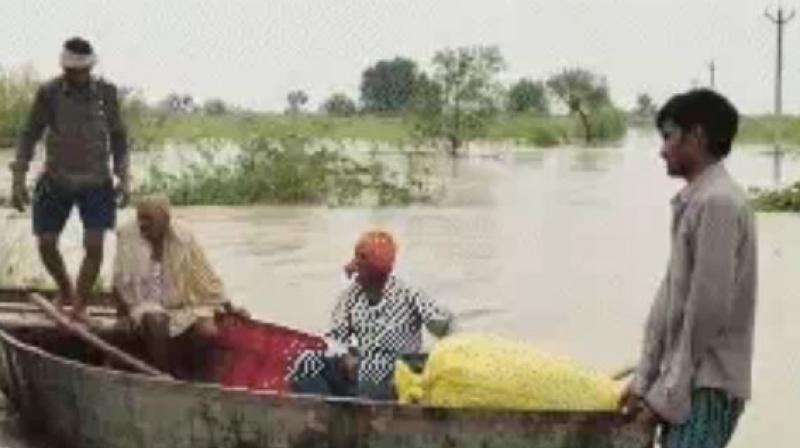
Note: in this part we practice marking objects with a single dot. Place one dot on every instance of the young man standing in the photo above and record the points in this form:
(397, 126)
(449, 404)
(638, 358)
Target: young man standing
(693, 376)
(84, 130)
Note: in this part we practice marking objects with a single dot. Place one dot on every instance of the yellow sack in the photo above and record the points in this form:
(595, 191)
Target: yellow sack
(483, 371)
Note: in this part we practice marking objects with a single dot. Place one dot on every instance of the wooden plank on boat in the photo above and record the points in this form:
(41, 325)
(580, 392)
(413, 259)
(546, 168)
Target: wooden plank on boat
(11, 295)
(17, 313)
(16, 316)
(27, 308)
(88, 337)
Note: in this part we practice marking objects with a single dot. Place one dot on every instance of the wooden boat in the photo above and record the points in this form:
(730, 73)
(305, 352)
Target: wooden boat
(61, 388)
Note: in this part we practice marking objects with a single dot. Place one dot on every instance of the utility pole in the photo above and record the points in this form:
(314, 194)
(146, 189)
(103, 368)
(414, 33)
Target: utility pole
(780, 21)
(712, 71)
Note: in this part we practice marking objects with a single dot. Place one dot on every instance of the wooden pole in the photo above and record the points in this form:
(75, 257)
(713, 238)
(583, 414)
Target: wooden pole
(712, 71)
(621, 374)
(91, 339)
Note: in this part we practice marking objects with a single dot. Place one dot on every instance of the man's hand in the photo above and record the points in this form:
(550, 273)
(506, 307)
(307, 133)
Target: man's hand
(349, 366)
(123, 190)
(628, 401)
(229, 308)
(19, 192)
(634, 406)
(645, 416)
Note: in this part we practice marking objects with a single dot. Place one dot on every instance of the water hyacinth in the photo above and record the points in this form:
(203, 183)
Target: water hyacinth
(781, 200)
(288, 171)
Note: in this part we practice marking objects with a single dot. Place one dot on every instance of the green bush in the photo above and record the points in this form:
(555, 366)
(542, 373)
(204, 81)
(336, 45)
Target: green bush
(285, 171)
(607, 124)
(16, 96)
(782, 200)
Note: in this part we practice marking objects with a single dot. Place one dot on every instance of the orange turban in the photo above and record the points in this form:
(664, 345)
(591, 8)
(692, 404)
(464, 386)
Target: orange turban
(379, 250)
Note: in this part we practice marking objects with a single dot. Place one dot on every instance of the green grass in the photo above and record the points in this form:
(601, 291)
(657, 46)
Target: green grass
(243, 126)
(768, 129)
(534, 130)
(151, 127)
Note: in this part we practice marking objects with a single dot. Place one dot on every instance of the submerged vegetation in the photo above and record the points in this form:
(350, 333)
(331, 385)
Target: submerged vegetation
(780, 200)
(16, 95)
(285, 171)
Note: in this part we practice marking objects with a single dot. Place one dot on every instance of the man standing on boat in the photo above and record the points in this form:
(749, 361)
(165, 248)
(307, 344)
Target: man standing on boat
(694, 374)
(81, 117)
(376, 320)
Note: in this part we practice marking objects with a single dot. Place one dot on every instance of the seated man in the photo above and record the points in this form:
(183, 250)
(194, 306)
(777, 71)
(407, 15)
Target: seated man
(381, 316)
(164, 282)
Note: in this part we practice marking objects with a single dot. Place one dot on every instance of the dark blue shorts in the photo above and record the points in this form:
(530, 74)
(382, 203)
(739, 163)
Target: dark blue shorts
(53, 202)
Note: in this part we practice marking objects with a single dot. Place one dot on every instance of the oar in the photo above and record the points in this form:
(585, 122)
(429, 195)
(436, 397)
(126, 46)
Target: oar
(91, 339)
(621, 374)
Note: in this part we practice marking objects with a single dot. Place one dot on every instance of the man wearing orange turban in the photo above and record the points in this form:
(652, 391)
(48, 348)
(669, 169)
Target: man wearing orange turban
(377, 319)
(373, 259)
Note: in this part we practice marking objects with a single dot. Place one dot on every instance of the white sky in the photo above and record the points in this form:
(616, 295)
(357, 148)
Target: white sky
(252, 52)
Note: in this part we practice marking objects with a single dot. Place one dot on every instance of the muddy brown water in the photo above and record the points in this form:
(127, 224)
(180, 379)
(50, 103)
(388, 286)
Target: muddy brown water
(562, 248)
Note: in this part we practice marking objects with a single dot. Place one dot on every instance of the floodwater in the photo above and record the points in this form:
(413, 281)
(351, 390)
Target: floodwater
(562, 248)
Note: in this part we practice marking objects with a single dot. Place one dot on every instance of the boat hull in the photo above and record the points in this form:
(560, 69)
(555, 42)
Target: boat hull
(84, 406)
(81, 405)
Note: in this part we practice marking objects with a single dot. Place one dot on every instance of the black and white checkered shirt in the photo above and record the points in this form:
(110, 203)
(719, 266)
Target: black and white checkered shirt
(383, 331)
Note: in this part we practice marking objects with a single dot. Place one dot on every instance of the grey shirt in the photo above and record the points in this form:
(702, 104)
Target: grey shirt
(699, 333)
(84, 127)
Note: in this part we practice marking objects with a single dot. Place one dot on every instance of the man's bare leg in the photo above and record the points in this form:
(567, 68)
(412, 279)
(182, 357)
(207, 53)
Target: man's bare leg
(54, 263)
(90, 268)
(155, 330)
(202, 334)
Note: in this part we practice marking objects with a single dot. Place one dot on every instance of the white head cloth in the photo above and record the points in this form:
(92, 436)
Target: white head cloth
(73, 60)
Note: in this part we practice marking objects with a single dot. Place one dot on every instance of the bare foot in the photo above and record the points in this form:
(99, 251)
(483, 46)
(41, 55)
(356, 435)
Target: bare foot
(79, 312)
(63, 300)
(73, 307)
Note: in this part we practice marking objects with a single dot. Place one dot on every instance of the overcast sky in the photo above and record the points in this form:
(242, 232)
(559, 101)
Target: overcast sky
(252, 52)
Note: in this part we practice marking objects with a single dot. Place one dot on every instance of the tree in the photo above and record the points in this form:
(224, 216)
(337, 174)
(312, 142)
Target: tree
(296, 99)
(583, 93)
(339, 105)
(461, 97)
(177, 103)
(527, 96)
(133, 105)
(645, 107)
(388, 86)
(215, 106)
(145, 123)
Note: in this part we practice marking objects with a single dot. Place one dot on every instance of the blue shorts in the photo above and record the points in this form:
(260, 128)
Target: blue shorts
(53, 202)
